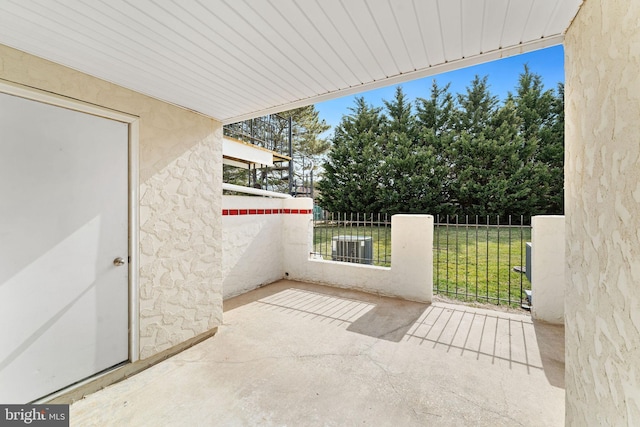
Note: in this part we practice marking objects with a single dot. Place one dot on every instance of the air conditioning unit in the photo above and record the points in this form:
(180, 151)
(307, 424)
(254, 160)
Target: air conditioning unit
(358, 249)
(528, 260)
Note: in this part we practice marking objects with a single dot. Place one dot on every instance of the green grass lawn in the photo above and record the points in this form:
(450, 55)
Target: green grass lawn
(476, 264)
(470, 264)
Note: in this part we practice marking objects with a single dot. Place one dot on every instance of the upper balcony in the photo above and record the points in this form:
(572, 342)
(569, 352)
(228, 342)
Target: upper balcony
(259, 145)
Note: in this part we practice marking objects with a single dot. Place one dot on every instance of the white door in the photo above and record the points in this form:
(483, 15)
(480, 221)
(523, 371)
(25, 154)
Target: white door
(63, 222)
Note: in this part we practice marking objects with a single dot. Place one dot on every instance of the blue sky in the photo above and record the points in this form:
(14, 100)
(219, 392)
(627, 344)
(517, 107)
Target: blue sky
(502, 78)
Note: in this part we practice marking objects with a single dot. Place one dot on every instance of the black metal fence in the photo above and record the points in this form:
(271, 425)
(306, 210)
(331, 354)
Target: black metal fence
(481, 258)
(475, 258)
(359, 238)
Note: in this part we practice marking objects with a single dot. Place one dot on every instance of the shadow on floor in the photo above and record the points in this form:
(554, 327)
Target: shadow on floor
(502, 338)
(301, 354)
(551, 345)
(372, 315)
(389, 320)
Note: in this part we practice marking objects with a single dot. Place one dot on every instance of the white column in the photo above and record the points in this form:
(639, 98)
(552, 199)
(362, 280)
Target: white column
(412, 257)
(547, 268)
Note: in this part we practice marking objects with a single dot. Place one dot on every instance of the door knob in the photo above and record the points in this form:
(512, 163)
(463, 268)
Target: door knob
(118, 261)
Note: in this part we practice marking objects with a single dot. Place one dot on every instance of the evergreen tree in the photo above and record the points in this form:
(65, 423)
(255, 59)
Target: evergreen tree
(400, 169)
(470, 154)
(487, 156)
(437, 112)
(551, 155)
(465, 155)
(434, 130)
(541, 116)
(399, 117)
(351, 180)
(514, 179)
(476, 108)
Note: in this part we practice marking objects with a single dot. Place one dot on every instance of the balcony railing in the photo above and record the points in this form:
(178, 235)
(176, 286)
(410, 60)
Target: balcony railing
(270, 132)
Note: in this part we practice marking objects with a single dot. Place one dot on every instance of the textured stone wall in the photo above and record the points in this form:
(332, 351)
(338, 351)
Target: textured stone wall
(602, 170)
(180, 200)
(180, 250)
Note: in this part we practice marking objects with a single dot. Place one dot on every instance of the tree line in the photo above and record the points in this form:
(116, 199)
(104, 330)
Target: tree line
(448, 154)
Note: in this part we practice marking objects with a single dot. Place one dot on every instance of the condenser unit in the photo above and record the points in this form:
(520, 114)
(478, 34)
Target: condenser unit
(528, 261)
(358, 249)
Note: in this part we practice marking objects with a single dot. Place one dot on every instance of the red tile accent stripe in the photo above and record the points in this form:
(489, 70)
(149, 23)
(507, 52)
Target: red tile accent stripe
(230, 212)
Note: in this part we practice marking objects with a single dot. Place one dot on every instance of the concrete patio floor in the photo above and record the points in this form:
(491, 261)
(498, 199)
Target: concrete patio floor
(295, 354)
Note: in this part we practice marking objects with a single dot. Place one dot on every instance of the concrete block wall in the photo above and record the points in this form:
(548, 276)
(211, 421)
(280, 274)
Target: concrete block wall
(548, 265)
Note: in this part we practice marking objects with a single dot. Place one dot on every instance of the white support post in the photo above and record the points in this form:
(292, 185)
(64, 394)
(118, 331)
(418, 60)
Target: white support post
(412, 256)
(547, 268)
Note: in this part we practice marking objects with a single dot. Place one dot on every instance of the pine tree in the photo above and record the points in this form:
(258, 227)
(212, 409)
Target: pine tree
(399, 169)
(542, 126)
(476, 107)
(351, 180)
(463, 155)
(488, 174)
(470, 154)
(437, 112)
(513, 171)
(435, 132)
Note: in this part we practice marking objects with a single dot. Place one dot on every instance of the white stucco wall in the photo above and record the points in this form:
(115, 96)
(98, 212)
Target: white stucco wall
(180, 174)
(547, 269)
(252, 243)
(602, 208)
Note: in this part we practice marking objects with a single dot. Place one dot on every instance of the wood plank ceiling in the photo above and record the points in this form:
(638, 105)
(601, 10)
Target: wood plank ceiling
(235, 59)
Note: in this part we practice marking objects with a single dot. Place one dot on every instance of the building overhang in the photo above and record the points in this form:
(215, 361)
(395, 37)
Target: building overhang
(242, 59)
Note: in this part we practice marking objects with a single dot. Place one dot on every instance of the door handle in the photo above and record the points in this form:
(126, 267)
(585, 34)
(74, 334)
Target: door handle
(118, 261)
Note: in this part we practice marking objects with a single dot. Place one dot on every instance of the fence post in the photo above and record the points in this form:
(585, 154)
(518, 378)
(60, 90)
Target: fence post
(412, 256)
(297, 235)
(547, 268)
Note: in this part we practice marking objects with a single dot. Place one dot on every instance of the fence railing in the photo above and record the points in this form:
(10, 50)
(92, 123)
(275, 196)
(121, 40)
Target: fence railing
(475, 258)
(481, 258)
(359, 238)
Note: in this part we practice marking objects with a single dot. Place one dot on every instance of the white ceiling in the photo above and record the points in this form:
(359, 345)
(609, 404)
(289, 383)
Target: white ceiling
(234, 59)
